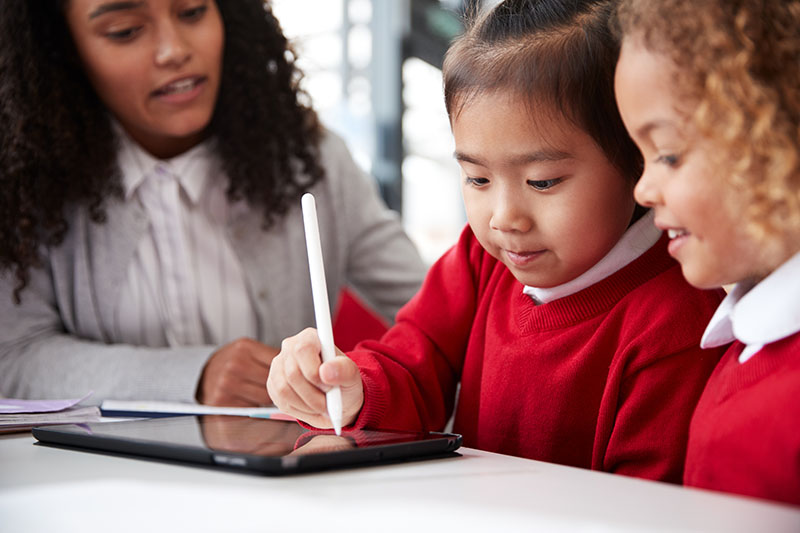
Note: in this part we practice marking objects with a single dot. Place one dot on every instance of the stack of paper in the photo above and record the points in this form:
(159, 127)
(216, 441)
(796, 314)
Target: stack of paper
(22, 415)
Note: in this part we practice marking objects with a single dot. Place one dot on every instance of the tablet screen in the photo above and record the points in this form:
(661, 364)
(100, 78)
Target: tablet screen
(269, 446)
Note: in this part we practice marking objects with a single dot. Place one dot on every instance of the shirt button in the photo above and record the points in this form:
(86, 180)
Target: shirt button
(262, 294)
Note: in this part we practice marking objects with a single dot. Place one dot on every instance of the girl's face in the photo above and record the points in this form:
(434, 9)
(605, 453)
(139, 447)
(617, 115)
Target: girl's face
(700, 211)
(540, 195)
(155, 64)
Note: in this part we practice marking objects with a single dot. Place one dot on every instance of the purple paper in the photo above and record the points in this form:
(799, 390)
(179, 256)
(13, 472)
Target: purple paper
(11, 406)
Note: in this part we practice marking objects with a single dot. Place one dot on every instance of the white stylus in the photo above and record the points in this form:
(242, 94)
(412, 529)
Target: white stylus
(322, 311)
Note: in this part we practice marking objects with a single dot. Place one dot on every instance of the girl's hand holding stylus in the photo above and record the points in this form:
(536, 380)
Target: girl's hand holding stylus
(298, 380)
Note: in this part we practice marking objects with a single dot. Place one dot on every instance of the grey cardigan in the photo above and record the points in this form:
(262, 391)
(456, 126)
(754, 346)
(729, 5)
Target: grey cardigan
(60, 342)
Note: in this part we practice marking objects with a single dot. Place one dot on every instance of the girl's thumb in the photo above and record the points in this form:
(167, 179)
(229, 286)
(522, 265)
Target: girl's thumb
(339, 371)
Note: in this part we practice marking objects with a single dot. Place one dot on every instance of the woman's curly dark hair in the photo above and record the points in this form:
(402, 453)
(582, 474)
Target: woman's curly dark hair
(58, 149)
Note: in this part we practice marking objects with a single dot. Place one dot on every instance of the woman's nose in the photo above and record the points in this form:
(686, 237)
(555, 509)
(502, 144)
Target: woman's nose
(172, 49)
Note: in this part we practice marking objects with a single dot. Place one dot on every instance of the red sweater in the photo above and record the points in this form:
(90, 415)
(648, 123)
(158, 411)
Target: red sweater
(745, 434)
(606, 378)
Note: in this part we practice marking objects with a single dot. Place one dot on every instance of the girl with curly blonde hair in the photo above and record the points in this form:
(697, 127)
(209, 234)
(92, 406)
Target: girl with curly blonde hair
(712, 98)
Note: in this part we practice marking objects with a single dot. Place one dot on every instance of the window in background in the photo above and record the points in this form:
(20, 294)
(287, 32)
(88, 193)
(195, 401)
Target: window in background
(370, 103)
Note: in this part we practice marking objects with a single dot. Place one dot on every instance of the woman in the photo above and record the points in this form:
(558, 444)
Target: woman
(151, 245)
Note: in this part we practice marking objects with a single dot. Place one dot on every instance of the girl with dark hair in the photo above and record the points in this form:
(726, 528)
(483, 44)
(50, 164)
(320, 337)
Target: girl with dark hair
(713, 100)
(151, 244)
(570, 329)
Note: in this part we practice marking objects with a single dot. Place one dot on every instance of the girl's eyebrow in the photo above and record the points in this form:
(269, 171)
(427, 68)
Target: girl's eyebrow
(521, 159)
(647, 128)
(114, 6)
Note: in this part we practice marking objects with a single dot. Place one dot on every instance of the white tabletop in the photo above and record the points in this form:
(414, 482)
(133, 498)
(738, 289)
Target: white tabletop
(59, 490)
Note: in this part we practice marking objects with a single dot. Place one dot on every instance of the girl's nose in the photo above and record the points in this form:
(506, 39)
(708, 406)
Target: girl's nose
(647, 191)
(172, 49)
(510, 213)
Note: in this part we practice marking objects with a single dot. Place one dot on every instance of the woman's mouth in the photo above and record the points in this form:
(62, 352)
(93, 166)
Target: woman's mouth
(181, 90)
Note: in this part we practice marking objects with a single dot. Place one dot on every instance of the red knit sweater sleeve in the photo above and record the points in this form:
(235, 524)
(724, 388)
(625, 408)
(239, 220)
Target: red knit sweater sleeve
(651, 391)
(410, 375)
(652, 423)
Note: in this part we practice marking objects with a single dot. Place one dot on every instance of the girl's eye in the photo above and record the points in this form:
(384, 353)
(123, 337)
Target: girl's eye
(194, 13)
(476, 182)
(671, 160)
(543, 185)
(127, 34)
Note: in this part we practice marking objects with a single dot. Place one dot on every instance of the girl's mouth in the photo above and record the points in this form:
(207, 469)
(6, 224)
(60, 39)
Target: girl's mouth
(523, 258)
(677, 238)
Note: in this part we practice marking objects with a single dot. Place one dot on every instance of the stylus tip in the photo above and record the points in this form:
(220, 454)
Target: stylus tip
(334, 401)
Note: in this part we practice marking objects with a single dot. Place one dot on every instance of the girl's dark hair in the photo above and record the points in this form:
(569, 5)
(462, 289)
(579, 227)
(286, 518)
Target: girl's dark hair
(559, 53)
(58, 149)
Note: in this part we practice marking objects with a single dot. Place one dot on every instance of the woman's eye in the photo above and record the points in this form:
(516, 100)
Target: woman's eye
(671, 160)
(543, 185)
(126, 34)
(477, 182)
(194, 13)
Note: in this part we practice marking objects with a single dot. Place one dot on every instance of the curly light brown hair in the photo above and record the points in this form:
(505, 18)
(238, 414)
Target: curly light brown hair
(58, 150)
(738, 68)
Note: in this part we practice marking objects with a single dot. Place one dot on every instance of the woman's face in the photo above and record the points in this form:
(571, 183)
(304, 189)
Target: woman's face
(540, 196)
(156, 65)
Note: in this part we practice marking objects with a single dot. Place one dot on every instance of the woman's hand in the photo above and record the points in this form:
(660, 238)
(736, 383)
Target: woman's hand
(298, 380)
(235, 374)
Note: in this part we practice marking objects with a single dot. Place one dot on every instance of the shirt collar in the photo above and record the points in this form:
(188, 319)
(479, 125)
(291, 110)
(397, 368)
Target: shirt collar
(642, 235)
(193, 168)
(760, 314)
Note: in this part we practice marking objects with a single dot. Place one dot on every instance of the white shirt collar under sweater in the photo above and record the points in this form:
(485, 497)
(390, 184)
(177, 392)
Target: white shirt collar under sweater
(639, 238)
(758, 315)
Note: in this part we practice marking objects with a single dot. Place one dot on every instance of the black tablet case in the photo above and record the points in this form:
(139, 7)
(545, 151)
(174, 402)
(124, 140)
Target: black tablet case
(153, 439)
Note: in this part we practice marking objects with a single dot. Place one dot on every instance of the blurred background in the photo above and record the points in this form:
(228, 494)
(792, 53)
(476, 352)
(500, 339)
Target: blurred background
(372, 71)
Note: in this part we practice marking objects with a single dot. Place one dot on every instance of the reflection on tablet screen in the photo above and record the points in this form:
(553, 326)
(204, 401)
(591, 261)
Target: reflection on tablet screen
(264, 446)
(254, 436)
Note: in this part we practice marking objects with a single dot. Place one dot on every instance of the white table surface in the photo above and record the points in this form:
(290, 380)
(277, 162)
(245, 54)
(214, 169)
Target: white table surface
(58, 490)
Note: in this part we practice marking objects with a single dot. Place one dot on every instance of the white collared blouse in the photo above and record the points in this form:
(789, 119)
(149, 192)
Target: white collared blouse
(758, 315)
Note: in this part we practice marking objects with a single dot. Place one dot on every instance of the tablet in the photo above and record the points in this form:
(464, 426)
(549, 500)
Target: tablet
(264, 446)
